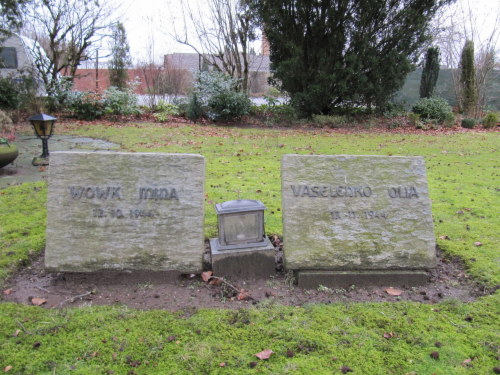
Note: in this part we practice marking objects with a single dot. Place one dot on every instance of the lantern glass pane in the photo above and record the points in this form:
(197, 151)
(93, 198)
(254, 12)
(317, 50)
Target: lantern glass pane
(38, 128)
(242, 228)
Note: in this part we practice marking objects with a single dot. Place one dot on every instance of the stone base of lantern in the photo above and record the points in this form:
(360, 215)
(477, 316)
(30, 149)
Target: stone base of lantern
(39, 161)
(250, 262)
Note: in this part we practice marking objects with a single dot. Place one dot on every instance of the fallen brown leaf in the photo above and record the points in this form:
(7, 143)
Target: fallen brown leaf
(393, 291)
(205, 276)
(7, 369)
(215, 281)
(434, 355)
(38, 301)
(265, 354)
(242, 295)
(466, 362)
(388, 335)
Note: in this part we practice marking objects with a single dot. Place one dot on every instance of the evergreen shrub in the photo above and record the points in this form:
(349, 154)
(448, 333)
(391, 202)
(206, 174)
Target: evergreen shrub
(219, 98)
(449, 120)
(165, 110)
(432, 109)
(15, 92)
(468, 123)
(120, 101)
(491, 120)
(86, 105)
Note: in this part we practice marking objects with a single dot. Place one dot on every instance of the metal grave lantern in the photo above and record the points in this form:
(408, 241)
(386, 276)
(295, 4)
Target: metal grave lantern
(44, 126)
(241, 224)
(242, 248)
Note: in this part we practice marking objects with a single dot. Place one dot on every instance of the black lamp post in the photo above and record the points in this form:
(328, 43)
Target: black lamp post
(44, 126)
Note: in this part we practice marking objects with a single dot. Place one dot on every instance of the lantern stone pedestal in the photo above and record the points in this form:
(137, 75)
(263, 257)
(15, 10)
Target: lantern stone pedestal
(250, 262)
(40, 161)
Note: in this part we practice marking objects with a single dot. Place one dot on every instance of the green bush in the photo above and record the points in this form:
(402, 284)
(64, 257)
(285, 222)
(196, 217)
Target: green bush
(468, 123)
(120, 102)
(491, 120)
(168, 108)
(86, 105)
(218, 97)
(6, 128)
(449, 120)
(275, 112)
(432, 109)
(60, 93)
(393, 110)
(165, 111)
(16, 92)
(332, 121)
(414, 119)
(194, 110)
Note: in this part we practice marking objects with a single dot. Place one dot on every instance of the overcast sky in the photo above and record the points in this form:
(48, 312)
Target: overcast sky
(148, 21)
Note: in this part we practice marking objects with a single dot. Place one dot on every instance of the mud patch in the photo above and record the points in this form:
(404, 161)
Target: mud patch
(176, 292)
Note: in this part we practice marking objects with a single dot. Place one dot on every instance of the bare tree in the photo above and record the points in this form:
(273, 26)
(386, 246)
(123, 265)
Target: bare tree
(222, 36)
(10, 16)
(68, 31)
(452, 28)
(162, 82)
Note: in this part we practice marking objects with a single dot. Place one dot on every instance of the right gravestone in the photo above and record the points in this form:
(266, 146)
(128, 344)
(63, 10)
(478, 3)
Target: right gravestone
(357, 220)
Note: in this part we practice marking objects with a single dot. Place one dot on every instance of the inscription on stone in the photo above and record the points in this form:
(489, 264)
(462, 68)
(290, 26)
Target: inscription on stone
(356, 213)
(125, 211)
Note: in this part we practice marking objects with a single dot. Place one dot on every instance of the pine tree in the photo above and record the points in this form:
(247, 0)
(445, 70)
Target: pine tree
(468, 80)
(430, 73)
(336, 53)
(120, 60)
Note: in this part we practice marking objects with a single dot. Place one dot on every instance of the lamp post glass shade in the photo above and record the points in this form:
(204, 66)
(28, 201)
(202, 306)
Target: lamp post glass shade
(241, 223)
(44, 126)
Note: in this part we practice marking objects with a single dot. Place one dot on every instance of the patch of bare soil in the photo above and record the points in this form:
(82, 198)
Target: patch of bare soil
(173, 291)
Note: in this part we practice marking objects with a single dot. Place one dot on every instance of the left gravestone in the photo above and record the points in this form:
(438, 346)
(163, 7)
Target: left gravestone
(115, 210)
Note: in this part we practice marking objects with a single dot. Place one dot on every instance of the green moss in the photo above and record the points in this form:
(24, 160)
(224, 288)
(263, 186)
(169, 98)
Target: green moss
(312, 339)
(319, 339)
(22, 225)
(461, 170)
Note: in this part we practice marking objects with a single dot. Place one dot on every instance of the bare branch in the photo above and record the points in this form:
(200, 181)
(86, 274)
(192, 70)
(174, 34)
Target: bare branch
(222, 37)
(67, 31)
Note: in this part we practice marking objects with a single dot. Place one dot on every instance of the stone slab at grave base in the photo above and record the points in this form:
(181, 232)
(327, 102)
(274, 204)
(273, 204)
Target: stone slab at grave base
(344, 279)
(253, 262)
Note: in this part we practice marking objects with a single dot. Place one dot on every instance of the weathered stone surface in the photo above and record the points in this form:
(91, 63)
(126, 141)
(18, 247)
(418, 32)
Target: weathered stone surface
(356, 213)
(115, 210)
(313, 279)
(254, 262)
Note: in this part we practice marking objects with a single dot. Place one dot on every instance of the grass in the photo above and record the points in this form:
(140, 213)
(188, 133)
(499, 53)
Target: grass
(462, 171)
(312, 339)
(22, 225)
(323, 339)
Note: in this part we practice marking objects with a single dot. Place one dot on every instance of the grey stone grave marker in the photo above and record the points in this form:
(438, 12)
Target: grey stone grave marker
(357, 219)
(116, 210)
